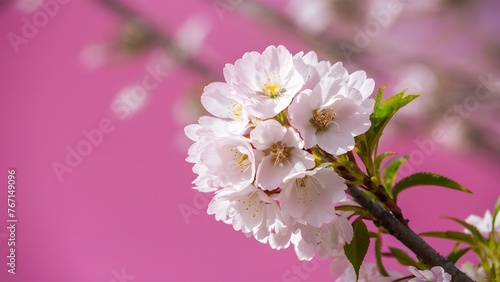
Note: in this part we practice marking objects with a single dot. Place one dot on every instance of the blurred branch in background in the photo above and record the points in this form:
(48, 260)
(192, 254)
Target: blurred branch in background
(433, 49)
(445, 72)
(328, 46)
(141, 34)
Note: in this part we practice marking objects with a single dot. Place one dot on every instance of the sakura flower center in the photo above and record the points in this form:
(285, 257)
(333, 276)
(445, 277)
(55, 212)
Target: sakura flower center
(304, 190)
(322, 118)
(272, 87)
(236, 111)
(279, 153)
(240, 160)
(253, 204)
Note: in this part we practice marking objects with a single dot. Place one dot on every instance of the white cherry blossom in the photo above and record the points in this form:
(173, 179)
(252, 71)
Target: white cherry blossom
(222, 101)
(269, 80)
(435, 274)
(311, 69)
(331, 115)
(207, 131)
(279, 237)
(368, 272)
(250, 210)
(475, 272)
(230, 161)
(483, 224)
(360, 82)
(308, 196)
(283, 153)
(325, 240)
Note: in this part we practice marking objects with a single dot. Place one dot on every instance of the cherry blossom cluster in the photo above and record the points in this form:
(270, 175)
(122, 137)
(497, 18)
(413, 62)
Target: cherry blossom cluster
(256, 151)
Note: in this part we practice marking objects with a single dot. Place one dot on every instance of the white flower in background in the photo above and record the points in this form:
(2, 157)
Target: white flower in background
(483, 224)
(28, 6)
(312, 16)
(332, 114)
(307, 196)
(368, 272)
(130, 100)
(95, 55)
(268, 81)
(474, 272)
(435, 274)
(192, 33)
(283, 153)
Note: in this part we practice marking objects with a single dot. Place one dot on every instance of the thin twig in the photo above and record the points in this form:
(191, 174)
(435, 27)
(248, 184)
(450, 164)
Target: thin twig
(407, 236)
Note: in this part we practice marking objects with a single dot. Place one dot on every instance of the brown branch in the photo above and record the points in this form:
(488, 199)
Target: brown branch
(406, 235)
(379, 191)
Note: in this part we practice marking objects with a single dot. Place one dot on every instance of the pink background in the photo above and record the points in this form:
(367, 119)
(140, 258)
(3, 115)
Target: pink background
(120, 208)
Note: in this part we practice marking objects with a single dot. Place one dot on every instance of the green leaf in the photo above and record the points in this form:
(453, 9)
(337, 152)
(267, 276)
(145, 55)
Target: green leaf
(378, 97)
(356, 209)
(367, 144)
(378, 255)
(378, 162)
(383, 112)
(450, 235)
(357, 249)
(391, 171)
(456, 253)
(380, 158)
(402, 257)
(495, 215)
(470, 227)
(426, 178)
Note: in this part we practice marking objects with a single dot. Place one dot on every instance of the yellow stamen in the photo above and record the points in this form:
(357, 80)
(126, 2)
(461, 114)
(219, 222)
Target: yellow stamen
(322, 118)
(272, 90)
(280, 153)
